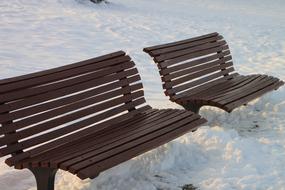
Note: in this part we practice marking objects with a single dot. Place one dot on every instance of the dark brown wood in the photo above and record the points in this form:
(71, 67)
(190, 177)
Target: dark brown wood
(148, 49)
(75, 116)
(66, 67)
(185, 46)
(45, 178)
(175, 54)
(93, 170)
(194, 63)
(128, 142)
(199, 71)
(62, 74)
(191, 70)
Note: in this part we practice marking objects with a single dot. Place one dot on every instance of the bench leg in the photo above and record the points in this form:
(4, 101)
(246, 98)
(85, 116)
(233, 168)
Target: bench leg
(192, 107)
(45, 178)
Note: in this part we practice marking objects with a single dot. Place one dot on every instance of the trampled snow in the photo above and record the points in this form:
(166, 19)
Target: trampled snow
(242, 150)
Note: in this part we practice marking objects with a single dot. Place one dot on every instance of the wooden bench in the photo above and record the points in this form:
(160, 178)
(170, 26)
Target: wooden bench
(199, 71)
(83, 118)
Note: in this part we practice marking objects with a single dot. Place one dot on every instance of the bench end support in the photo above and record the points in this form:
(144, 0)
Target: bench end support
(45, 177)
(192, 107)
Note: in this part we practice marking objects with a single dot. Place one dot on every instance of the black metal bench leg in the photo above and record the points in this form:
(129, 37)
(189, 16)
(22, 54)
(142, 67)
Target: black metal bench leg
(45, 178)
(192, 107)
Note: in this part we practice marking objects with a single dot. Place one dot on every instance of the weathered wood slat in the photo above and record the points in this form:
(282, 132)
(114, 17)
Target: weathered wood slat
(256, 94)
(200, 81)
(186, 65)
(67, 108)
(60, 102)
(199, 48)
(102, 138)
(77, 147)
(65, 67)
(78, 125)
(63, 74)
(148, 49)
(197, 74)
(192, 70)
(67, 118)
(186, 57)
(82, 134)
(122, 137)
(229, 86)
(49, 136)
(231, 89)
(132, 140)
(184, 46)
(205, 86)
(33, 100)
(11, 96)
(94, 170)
(224, 87)
(251, 88)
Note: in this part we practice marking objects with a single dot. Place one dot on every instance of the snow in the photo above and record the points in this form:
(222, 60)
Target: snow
(242, 150)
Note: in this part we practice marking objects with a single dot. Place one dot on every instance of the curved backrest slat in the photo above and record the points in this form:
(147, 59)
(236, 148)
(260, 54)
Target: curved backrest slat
(50, 105)
(189, 64)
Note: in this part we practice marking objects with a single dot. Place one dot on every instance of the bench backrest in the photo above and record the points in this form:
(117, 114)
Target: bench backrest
(51, 105)
(187, 66)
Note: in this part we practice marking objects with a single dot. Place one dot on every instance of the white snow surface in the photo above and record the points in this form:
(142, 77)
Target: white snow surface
(244, 150)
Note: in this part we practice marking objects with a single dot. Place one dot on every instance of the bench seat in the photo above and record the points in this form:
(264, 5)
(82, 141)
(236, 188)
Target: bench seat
(84, 118)
(89, 156)
(233, 93)
(199, 71)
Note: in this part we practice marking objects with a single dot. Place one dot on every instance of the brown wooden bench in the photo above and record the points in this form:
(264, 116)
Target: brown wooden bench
(83, 118)
(199, 71)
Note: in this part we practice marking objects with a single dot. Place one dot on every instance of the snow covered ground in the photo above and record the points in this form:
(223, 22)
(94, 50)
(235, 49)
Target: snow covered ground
(243, 150)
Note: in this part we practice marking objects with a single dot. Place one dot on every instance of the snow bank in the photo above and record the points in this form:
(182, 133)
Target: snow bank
(242, 150)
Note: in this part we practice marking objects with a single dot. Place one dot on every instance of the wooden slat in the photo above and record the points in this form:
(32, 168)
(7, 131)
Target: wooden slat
(203, 60)
(68, 118)
(200, 81)
(184, 46)
(109, 141)
(191, 56)
(89, 131)
(196, 69)
(228, 87)
(196, 75)
(59, 102)
(251, 83)
(148, 49)
(73, 147)
(204, 86)
(62, 74)
(66, 91)
(54, 134)
(65, 109)
(188, 51)
(66, 67)
(78, 125)
(87, 144)
(248, 90)
(124, 144)
(93, 170)
(10, 96)
(254, 95)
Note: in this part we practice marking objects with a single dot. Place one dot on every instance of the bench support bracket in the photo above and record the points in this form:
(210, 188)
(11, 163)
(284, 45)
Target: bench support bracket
(192, 107)
(44, 177)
